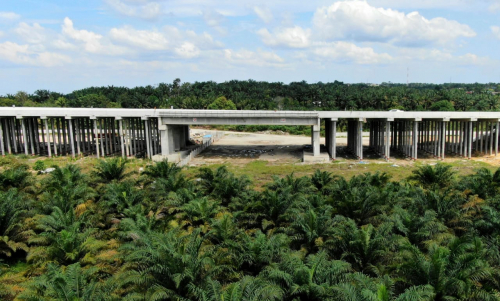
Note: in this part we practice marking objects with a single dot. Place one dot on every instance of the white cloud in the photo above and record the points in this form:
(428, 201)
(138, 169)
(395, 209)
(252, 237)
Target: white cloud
(496, 31)
(358, 21)
(264, 13)
(92, 42)
(150, 40)
(32, 34)
(139, 9)
(254, 58)
(8, 16)
(348, 52)
(187, 50)
(22, 54)
(294, 37)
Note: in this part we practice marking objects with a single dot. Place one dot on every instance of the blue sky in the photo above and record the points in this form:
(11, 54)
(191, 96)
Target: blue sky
(66, 45)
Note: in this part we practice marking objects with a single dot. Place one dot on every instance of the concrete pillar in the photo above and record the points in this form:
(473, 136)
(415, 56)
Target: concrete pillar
(496, 138)
(148, 138)
(46, 124)
(71, 136)
(78, 138)
(8, 136)
(415, 140)
(387, 140)
(470, 140)
(53, 136)
(165, 142)
(481, 135)
(96, 138)
(443, 139)
(491, 138)
(316, 140)
(360, 140)
(122, 140)
(31, 132)
(25, 135)
(2, 143)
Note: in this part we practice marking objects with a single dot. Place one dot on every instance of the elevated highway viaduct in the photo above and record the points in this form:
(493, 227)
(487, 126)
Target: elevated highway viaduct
(162, 132)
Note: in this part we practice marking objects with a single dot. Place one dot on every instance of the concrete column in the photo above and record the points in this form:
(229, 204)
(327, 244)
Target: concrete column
(481, 136)
(96, 138)
(334, 140)
(46, 124)
(148, 138)
(316, 140)
(122, 140)
(7, 134)
(476, 143)
(31, 131)
(415, 140)
(78, 138)
(102, 137)
(387, 140)
(491, 138)
(470, 140)
(443, 139)
(25, 135)
(2, 143)
(65, 135)
(496, 138)
(360, 140)
(71, 136)
(16, 135)
(53, 136)
(165, 145)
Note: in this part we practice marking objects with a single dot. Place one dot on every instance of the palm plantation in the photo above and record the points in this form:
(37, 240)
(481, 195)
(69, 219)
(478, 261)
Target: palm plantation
(110, 234)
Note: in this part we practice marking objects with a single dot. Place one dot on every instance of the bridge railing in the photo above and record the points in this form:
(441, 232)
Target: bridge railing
(215, 137)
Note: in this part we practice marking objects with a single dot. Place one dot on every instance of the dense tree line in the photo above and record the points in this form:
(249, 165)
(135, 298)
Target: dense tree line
(158, 235)
(253, 95)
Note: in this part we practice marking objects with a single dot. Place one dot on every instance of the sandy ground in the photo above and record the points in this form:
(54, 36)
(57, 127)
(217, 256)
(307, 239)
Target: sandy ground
(242, 148)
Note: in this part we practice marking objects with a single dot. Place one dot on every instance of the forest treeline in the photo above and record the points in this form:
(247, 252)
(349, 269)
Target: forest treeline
(254, 95)
(160, 235)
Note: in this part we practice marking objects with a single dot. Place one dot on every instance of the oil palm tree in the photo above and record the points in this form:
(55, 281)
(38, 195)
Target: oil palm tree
(12, 210)
(437, 176)
(111, 170)
(71, 283)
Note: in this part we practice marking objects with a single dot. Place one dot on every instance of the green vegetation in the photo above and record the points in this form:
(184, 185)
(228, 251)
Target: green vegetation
(253, 95)
(108, 233)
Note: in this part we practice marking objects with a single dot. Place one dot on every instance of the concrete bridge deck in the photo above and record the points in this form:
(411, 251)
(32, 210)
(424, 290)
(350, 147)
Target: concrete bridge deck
(150, 132)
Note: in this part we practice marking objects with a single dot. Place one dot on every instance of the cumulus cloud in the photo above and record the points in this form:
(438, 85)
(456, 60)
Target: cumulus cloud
(264, 13)
(254, 58)
(496, 31)
(294, 37)
(359, 21)
(150, 40)
(24, 55)
(34, 34)
(348, 52)
(139, 9)
(93, 42)
(187, 50)
(185, 44)
(8, 16)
